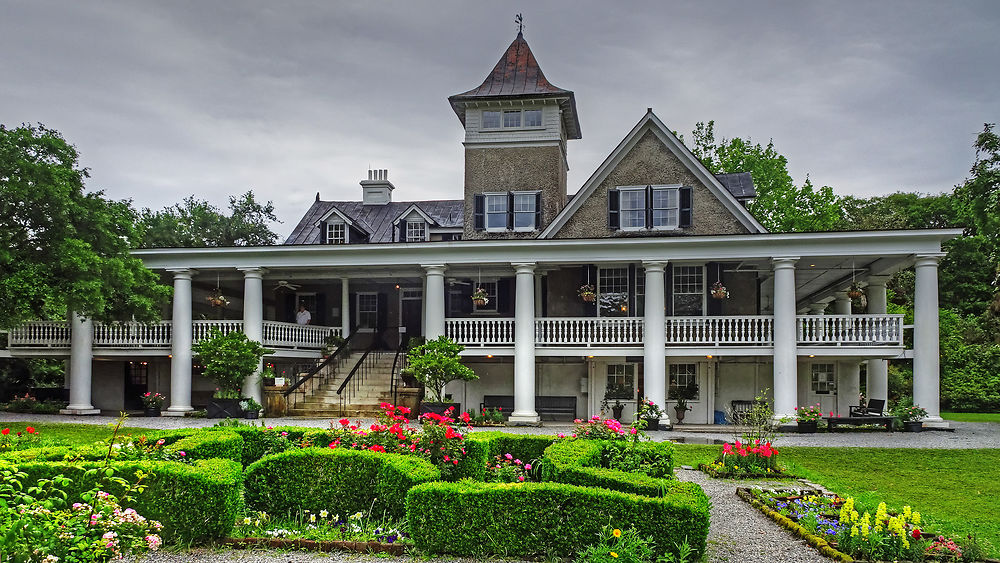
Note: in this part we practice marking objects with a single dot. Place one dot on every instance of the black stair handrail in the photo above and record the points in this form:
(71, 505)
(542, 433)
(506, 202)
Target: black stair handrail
(401, 351)
(330, 359)
(373, 346)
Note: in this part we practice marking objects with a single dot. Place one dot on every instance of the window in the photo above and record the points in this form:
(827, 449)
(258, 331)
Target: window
(336, 233)
(496, 212)
(824, 381)
(640, 293)
(491, 297)
(491, 120)
(524, 211)
(633, 208)
(532, 118)
(621, 382)
(416, 231)
(683, 382)
(612, 292)
(367, 311)
(688, 290)
(512, 118)
(666, 208)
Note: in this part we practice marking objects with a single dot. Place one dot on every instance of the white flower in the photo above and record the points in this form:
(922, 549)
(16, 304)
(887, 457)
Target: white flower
(312, 517)
(246, 520)
(323, 513)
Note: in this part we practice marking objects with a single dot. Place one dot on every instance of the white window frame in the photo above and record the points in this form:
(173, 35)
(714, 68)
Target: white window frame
(532, 198)
(602, 289)
(683, 370)
(502, 196)
(512, 113)
(829, 383)
(675, 193)
(373, 312)
(416, 230)
(621, 374)
(623, 212)
(332, 237)
(502, 124)
(675, 276)
(541, 119)
(499, 125)
(491, 287)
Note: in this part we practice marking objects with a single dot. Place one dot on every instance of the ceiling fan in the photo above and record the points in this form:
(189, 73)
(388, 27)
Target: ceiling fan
(283, 284)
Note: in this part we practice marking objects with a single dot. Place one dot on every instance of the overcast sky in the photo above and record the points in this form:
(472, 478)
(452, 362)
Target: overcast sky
(168, 99)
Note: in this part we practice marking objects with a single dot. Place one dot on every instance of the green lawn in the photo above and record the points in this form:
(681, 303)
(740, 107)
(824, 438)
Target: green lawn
(956, 491)
(64, 434)
(971, 416)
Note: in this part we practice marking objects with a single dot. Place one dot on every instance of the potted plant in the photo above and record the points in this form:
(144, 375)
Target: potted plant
(229, 359)
(587, 293)
(152, 403)
(435, 364)
(682, 395)
(719, 291)
(855, 292)
(217, 299)
(480, 297)
(651, 413)
(333, 341)
(911, 416)
(807, 418)
(251, 408)
(614, 392)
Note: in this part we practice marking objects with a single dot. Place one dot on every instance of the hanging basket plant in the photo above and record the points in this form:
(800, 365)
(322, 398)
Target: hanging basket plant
(217, 299)
(854, 292)
(587, 293)
(719, 291)
(480, 297)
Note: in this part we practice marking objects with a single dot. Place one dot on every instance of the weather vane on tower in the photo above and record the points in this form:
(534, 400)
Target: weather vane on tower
(520, 23)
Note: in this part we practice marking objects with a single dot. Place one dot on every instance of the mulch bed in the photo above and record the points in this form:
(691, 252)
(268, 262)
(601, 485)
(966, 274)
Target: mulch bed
(315, 545)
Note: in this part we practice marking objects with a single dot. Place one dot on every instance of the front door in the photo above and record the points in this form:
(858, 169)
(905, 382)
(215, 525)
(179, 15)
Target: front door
(410, 315)
(823, 387)
(136, 384)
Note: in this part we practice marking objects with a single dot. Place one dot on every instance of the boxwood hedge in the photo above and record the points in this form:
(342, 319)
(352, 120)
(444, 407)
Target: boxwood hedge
(525, 519)
(481, 447)
(578, 462)
(341, 481)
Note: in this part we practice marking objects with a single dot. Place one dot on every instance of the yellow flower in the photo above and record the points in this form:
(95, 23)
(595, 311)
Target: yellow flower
(616, 533)
(615, 555)
(916, 517)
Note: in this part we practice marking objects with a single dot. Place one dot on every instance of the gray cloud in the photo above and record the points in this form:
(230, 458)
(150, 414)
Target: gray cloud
(169, 99)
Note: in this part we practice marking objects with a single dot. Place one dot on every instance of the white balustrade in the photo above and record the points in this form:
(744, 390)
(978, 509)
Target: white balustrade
(128, 335)
(202, 330)
(753, 330)
(49, 334)
(854, 330)
(588, 331)
(480, 331)
(293, 335)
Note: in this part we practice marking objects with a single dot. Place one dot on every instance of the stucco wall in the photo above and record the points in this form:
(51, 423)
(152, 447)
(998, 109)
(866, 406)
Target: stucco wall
(514, 169)
(650, 162)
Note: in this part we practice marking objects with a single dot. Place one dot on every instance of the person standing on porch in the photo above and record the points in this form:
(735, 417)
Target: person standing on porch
(303, 317)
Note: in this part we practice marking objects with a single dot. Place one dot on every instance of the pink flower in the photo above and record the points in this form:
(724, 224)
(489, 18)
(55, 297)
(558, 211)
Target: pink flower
(508, 456)
(527, 467)
(182, 453)
(520, 478)
(634, 431)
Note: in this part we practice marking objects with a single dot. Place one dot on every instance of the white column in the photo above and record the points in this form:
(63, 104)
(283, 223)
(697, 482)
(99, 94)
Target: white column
(253, 324)
(345, 308)
(842, 305)
(654, 338)
(434, 297)
(180, 345)
(848, 385)
(785, 340)
(926, 346)
(524, 346)
(81, 361)
(878, 370)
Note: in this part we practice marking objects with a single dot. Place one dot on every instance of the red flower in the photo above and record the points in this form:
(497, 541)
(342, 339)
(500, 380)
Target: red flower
(465, 417)
(404, 410)
(344, 422)
(915, 533)
(30, 429)
(5, 431)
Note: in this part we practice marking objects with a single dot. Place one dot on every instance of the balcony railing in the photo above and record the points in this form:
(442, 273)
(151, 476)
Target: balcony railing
(56, 334)
(852, 330)
(752, 330)
(588, 331)
(481, 332)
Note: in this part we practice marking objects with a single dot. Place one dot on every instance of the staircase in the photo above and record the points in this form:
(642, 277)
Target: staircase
(362, 397)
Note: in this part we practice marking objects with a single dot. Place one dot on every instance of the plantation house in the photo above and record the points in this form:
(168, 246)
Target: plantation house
(651, 231)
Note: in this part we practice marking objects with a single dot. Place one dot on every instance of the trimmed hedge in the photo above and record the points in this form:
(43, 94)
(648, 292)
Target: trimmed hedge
(210, 445)
(195, 502)
(338, 480)
(525, 519)
(481, 447)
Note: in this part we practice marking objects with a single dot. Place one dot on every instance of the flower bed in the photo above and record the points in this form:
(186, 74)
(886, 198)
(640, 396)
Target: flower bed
(746, 461)
(322, 530)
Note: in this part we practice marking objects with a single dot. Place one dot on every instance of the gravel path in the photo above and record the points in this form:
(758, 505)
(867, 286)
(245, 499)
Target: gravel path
(738, 532)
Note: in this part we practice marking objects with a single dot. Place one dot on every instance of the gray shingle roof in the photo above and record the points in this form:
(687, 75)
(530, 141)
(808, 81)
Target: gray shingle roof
(376, 220)
(740, 184)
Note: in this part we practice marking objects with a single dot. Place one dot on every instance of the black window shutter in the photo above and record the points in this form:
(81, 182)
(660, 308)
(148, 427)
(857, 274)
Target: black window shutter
(668, 288)
(649, 207)
(590, 276)
(538, 210)
(632, 301)
(322, 233)
(319, 316)
(290, 307)
(685, 215)
(510, 210)
(383, 311)
(479, 212)
(401, 231)
(505, 296)
(613, 205)
(465, 297)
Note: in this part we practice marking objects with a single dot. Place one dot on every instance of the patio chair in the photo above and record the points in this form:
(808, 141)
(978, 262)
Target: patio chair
(874, 408)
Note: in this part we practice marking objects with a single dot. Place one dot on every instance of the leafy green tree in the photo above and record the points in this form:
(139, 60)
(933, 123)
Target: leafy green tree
(780, 205)
(435, 364)
(63, 248)
(229, 359)
(197, 223)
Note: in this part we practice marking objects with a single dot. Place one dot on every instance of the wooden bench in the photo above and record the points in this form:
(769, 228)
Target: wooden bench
(738, 410)
(545, 405)
(832, 422)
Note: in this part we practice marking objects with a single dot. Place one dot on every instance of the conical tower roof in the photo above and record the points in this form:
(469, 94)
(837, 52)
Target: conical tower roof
(518, 76)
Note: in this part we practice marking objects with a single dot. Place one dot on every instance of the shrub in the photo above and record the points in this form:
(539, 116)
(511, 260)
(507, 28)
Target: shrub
(229, 359)
(435, 364)
(195, 502)
(579, 462)
(481, 447)
(338, 480)
(607, 429)
(522, 519)
(209, 445)
(651, 458)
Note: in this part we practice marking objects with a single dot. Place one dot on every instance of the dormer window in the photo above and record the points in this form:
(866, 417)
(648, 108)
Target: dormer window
(336, 233)
(633, 208)
(416, 231)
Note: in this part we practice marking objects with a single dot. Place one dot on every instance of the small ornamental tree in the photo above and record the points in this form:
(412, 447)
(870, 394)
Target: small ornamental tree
(229, 359)
(435, 364)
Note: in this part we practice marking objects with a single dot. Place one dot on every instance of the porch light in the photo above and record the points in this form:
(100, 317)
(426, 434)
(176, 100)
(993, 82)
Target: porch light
(397, 286)
(489, 355)
(709, 356)
(590, 356)
(812, 355)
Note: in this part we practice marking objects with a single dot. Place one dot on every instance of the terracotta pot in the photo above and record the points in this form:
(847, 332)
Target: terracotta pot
(719, 294)
(479, 302)
(855, 294)
(589, 297)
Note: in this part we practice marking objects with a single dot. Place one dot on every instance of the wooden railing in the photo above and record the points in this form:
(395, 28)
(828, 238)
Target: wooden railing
(43, 334)
(200, 330)
(753, 330)
(480, 331)
(588, 331)
(292, 335)
(133, 335)
(852, 330)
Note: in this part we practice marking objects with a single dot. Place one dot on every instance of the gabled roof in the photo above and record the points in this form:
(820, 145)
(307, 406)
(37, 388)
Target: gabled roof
(650, 122)
(346, 218)
(376, 220)
(415, 207)
(518, 76)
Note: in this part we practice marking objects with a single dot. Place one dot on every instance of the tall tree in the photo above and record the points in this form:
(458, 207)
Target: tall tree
(197, 223)
(63, 248)
(980, 197)
(780, 205)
